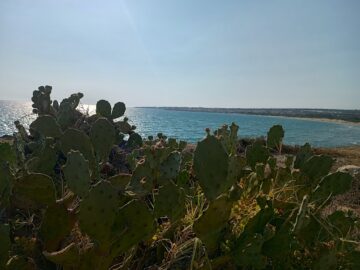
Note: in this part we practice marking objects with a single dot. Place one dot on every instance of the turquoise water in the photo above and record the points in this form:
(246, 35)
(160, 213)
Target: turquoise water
(190, 126)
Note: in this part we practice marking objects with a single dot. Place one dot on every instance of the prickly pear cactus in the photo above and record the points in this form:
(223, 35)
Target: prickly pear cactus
(102, 136)
(97, 213)
(6, 183)
(103, 108)
(134, 223)
(33, 191)
(142, 180)
(68, 257)
(304, 154)
(211, 163)
(256, 153)
(170, 202)
(74, 139)
(77, 174)
(51, 232)
(332, 185)
(41, 100)
(248, 252)
(118, 110)
(123, 126)
(120, 181)
(46, 126)
(210, 225)
(275, 137)
(317, 167)
(134, 141)
(5, 244)
(170, 168)
(7, 153)
(45, 161)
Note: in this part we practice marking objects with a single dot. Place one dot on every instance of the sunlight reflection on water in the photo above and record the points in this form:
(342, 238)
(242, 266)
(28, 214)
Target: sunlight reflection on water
(190, 126)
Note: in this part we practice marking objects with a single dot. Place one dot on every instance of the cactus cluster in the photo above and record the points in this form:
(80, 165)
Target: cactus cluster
(82, 191)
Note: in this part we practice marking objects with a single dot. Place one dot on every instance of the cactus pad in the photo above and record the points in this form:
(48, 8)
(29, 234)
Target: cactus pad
(208, 227)
(332, 184)
(50, 231)
(256, 153)
(134, 140)
(211, 164)
(170, 202)
(103, 108)
(118, 110)
(120, 181)
(97, 212)
(317, 166)
(5, 244)
(134, 223)
(34, 190)
(170, 168)
(275, 137)
(6, 183)
(76, 172)
(102, 136)
(74, 139)
(46, 126)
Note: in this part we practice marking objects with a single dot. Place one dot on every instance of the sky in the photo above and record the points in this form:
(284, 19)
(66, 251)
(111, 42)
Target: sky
(231, 53)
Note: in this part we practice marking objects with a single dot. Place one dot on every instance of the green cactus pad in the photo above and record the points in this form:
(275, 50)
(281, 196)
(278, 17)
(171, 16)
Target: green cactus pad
(76, 172)
(142, 179)
(5, 244)
(304, 154)
(41, 100)
(123, 127)
(120, 181)
(34, 190)
(170, 202)
(332, 185)
(209, 226)
(67, 257)
(134, 223)
(118, 110)
(170, 168)
(44, 162)
(46, 126)
(256, 153)
(74, 139)
(135, 140)
(6, 183)
(228, 137)
(275, 137)
(97, 212)
(102, 136)
(7, 153)
(211, 164)
(103, 108)
(317, 166)
(57, 223)
(279, 246)
(248, 252)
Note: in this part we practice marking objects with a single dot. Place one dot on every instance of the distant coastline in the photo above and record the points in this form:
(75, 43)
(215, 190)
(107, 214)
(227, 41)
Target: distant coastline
(326, 115)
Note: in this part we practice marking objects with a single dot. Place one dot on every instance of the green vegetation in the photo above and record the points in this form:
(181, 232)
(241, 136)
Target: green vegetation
(87, 192)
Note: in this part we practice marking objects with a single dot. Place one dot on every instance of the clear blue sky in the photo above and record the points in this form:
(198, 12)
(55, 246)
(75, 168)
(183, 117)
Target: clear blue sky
(298, 53)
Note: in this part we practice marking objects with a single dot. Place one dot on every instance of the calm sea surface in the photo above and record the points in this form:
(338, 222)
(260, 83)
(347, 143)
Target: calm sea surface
(190, 126)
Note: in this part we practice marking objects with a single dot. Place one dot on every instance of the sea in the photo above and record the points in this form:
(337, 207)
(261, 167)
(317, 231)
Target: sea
(190, 126)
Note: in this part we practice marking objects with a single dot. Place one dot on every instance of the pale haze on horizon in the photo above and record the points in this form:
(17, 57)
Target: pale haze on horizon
(268, 54)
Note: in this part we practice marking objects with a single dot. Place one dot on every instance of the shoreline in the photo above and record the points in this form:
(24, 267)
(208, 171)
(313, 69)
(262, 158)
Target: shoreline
(307, 118)
(316, 119)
